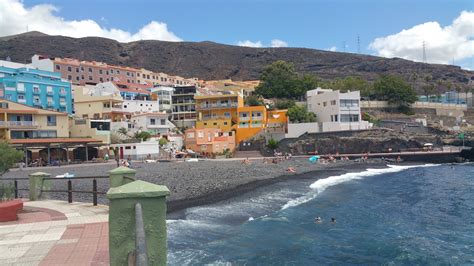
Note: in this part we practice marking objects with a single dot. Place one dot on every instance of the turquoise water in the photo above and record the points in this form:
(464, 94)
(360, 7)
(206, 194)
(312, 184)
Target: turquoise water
(398, 216)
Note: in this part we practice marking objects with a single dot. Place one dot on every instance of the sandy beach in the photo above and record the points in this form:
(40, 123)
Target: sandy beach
(197, 183)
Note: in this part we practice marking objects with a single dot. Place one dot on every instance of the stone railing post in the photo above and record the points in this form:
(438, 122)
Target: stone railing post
(122, 201)
(35, 184)
(121, 176)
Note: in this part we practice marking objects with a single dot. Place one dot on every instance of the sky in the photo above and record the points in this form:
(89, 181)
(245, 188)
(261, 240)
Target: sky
(389, 28)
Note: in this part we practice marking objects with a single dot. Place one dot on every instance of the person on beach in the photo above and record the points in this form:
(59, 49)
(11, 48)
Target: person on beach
(318, 220)
(399, 159)
(291, 170)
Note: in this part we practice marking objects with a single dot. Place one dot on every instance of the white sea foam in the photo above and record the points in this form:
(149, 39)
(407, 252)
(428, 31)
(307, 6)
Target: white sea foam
(321, 184)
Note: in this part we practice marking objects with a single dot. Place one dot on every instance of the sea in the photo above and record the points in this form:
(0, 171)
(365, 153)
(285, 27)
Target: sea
(400, 215)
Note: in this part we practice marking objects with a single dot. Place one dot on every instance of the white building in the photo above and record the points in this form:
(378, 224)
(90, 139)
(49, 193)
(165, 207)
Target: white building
(154, 123)
(164, 95)
(336, 111)
(138, 151)
(140, 106)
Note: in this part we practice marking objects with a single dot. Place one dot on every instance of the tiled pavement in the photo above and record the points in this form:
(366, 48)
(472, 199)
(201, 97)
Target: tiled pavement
(56, 233)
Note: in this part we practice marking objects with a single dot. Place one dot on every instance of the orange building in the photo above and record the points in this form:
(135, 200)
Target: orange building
(225, 110)
(209, 140)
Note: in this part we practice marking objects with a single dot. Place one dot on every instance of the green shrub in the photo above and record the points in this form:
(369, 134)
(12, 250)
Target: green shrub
(272, 143)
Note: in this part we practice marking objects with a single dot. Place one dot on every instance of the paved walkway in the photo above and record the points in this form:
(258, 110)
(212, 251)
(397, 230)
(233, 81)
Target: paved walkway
(56, 233)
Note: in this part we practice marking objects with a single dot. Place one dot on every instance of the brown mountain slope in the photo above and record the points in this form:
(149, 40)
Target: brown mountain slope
(207, 60)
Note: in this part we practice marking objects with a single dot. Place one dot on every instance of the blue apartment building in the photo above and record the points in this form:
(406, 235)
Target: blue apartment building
(36, 88)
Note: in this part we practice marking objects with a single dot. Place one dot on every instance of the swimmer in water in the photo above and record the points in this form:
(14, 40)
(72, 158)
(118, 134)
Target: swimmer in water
(333, 220)
(318, 220)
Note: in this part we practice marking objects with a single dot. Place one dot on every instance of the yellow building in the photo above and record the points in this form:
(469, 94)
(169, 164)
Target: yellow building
(217, 110)
(18, 121)
(102, 103)
(43, 135)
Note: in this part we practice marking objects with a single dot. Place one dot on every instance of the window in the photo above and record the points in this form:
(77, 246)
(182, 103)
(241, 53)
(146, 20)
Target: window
(21, 97)
(200, 134)
(58, 67)
(69, 77)
(36, 89)
(225, 123)
(349, 103)
(128, 74)
(77, 78)
(51, 120)
(100, 71)
(163, 121)
(90, 77)
(111, 71)
(152, 121)
(333, 102)
(82, 77)
(349, 118)
(101, 79)
(324, 104)
(148, 76)
(77, 70)
(118, 71)
(90, 69)
(215, 124)
(138, 74)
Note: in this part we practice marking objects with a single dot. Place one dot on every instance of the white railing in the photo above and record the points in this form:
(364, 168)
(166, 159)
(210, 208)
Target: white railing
(244, 118)
(18, 123)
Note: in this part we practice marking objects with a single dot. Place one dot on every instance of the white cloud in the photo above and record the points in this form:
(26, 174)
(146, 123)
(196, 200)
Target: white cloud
(15, 18)
(443, 44)
(259, 44)
(248, 43)
(332, 49)
(278, 43)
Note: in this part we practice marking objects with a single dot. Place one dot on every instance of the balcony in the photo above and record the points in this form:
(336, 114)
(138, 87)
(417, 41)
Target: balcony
(216, 106)
(62, 93)
(50, 104)
(10, 88)
(36, 91)
(241, 118)
(37, 104)
(21, 89)
(21, 100)
(62, 103)
(18, 124)
(50, 92)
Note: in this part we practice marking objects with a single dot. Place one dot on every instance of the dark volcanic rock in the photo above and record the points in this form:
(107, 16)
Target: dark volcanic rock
(208, 60)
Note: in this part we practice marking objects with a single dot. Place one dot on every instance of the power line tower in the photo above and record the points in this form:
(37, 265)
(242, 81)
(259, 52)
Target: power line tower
(358, 44)
(424, 52)
(344, 46)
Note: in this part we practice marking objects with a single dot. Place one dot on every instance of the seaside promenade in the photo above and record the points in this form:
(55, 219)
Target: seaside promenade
(53, 232)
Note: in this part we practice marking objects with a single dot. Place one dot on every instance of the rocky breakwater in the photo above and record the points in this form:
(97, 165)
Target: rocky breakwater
(374, 141)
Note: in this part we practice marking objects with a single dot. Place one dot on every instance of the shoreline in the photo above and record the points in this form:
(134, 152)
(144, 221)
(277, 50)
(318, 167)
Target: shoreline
(175, 206)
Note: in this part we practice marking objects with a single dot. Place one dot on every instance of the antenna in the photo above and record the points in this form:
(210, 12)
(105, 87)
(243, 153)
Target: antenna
(344, 46)
(424, 52)
(358, 44)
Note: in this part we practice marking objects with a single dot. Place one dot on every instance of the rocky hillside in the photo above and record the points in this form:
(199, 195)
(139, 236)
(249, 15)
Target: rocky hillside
(208, 60)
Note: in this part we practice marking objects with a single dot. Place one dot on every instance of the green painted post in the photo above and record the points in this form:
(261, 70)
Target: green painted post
(122, 200)
(35, 184)
(121, 176)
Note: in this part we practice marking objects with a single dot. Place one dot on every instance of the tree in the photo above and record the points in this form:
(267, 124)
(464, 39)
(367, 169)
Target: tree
(349, 83)
(284, 104)
(279, 80)
(299, 114)
(143, 135)
(253, 100)
(428, 90)
(8, 157)
(394, 90)
(163, 142)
